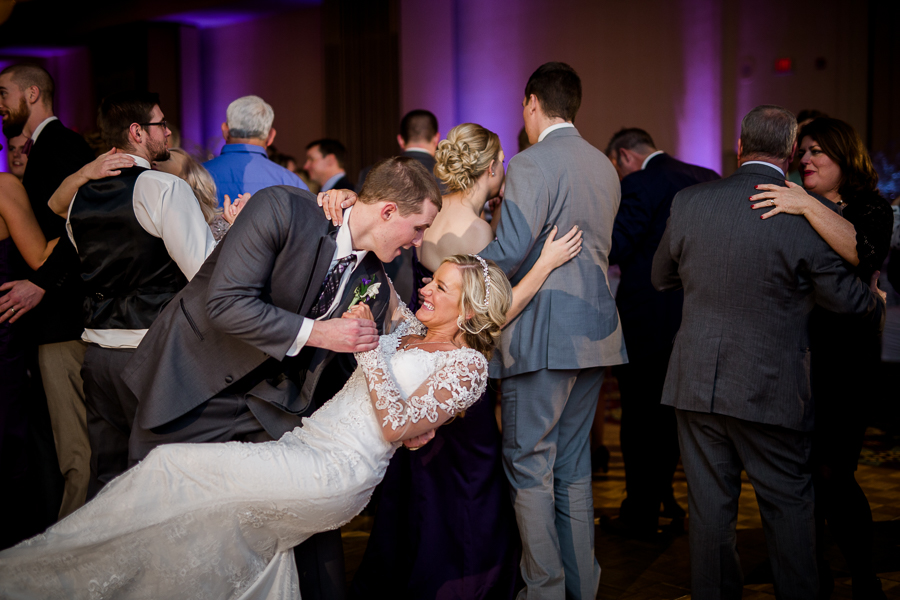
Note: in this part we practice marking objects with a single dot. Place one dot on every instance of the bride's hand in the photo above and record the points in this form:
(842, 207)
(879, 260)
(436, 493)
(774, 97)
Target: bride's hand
(420, 440)
(231, 210)
(792, 200)
(333, 202)
(557, 252)
(359, 311)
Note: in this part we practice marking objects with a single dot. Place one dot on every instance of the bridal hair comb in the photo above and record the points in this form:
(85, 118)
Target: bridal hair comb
(487, 280)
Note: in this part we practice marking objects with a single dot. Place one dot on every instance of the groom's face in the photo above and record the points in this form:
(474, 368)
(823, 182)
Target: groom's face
(396, 231)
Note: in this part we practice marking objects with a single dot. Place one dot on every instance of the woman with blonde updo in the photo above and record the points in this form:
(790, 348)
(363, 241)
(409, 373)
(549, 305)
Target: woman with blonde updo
(444, 525)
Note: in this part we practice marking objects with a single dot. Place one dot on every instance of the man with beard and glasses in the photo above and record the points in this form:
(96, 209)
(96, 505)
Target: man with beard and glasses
(55, 324)
(140, 237)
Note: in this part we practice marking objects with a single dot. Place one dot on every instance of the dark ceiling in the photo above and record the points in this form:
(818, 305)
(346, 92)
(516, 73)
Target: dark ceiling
(70, 22)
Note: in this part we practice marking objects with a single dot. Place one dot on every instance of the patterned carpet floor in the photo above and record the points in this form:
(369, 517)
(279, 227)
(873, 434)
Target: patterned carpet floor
(636, 570)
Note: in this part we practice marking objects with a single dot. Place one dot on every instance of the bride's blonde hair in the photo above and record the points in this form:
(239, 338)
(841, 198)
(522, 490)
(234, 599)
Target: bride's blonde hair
(465, 155)
(487, 306)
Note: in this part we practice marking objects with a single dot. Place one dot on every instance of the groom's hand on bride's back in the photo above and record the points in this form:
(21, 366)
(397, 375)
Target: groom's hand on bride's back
(344, 335)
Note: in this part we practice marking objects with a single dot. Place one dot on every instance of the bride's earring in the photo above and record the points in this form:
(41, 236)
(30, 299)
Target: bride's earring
(459, 321)
(492, 173)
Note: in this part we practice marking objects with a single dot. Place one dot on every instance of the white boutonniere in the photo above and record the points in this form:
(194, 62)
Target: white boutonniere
(365, 292)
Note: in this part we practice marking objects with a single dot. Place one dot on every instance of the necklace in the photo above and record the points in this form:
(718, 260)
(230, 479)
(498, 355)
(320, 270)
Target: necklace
(420, 343)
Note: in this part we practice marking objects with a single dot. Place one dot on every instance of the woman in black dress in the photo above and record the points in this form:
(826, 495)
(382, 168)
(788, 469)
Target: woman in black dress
(845, 351)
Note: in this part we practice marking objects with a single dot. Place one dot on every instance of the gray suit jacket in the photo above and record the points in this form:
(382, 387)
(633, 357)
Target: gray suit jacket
(235, 321)
(572, 322)
(749, 287)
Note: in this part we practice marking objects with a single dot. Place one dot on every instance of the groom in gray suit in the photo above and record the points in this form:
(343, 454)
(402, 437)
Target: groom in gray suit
(739, 372)
(551, 357)
(255, 341)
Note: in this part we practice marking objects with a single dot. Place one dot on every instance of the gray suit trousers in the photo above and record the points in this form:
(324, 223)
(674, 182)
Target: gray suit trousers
(714, 451)
(547, 418)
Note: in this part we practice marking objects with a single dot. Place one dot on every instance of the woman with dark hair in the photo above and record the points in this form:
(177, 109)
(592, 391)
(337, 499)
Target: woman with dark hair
(845, 352)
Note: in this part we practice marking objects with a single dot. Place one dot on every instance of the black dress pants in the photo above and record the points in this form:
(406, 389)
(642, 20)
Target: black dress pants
(649, 438)
(110, 408)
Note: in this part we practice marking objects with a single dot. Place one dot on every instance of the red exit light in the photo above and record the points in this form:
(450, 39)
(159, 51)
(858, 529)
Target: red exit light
(782, 65)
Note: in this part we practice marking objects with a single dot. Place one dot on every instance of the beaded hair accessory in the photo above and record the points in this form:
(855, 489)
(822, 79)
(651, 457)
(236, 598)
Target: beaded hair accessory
(487, 280)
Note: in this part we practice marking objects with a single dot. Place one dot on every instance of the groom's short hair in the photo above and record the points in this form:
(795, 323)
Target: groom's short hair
(402, 180)
(558, 88)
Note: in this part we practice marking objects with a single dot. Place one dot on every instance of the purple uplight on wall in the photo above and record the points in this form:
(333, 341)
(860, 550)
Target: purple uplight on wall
(487, 93)
(4, 156)
(700, 114)
(70, 68)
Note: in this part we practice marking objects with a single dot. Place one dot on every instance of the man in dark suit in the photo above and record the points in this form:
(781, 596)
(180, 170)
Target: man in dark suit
(418, 139)
(650, 320)
(255, 341)
(54, 153)
(739, 372)
(325, 165)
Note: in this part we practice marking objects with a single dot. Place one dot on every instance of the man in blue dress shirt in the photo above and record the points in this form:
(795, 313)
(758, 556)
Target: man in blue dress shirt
(243, 166)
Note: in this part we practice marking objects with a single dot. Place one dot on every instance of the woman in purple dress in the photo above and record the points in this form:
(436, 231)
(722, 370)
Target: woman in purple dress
(444, 526)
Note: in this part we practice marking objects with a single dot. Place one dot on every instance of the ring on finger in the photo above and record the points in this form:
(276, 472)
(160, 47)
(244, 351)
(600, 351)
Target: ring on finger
(772, 202)
(12, 311)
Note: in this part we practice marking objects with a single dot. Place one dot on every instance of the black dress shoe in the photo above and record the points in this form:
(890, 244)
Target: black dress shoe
(671, 509)
(600, 459)
(617, 526)
(867, 588)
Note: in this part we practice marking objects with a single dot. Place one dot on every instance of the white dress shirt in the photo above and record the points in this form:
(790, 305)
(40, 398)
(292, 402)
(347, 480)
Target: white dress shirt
(343, 248)
(762, 162)
(37, 130)
(553, 128)
(166, 208)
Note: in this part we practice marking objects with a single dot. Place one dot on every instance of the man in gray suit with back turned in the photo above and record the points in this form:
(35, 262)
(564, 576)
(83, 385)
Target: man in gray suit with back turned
(739, 372)
(551, 357)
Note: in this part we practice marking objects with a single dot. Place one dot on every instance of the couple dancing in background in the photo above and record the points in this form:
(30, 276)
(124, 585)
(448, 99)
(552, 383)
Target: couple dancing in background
(232, 357)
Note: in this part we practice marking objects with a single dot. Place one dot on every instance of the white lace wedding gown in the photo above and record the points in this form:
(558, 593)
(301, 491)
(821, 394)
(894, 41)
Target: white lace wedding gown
(219, 520)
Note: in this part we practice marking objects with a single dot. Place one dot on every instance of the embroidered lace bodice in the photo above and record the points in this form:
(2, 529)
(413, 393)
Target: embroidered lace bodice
(219, 520)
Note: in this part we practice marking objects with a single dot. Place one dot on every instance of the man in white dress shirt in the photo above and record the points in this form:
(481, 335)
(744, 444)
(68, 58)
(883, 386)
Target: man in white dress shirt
(140, 237)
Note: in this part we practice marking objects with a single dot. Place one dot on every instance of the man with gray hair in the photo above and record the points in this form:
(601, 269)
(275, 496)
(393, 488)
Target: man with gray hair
(738, 376)
(243, 166)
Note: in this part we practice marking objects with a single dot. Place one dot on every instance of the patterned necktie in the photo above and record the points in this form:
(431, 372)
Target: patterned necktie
(331, 286)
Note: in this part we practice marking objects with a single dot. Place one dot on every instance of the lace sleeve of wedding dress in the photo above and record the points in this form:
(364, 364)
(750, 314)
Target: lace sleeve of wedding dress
(459, 379)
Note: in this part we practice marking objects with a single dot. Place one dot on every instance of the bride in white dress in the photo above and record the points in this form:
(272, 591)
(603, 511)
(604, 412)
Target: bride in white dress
(219, 520)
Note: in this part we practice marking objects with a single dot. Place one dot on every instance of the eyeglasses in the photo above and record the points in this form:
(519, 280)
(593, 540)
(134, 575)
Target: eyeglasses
(160, 123)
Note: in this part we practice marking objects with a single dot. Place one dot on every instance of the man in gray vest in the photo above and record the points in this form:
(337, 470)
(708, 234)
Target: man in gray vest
(739, 372)
(552, 356)
(140, 237)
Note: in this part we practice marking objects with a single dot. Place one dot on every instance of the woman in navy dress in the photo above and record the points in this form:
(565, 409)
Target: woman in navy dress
(445, 526)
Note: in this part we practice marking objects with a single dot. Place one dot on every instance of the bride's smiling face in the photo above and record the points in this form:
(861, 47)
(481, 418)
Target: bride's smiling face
(441, 298)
